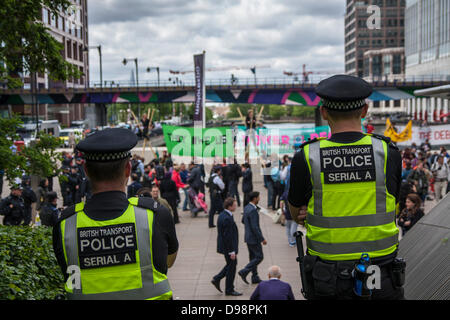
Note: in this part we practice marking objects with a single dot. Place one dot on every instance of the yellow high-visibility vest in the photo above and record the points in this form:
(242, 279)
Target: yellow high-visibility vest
(114, 256)
(351, 211)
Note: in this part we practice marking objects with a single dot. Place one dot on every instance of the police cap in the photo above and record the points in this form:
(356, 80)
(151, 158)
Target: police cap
(344, 93)
(108, 145)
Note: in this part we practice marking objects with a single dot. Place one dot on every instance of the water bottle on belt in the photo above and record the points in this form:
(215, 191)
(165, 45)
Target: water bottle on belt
(360, 277)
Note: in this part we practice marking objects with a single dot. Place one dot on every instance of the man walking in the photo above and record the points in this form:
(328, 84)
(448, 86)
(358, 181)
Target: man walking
(253, 238)
(227, 244)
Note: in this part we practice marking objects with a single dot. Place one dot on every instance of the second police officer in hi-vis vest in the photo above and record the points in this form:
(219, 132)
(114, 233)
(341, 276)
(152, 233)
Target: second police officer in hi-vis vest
(344, 190)
(112, 247)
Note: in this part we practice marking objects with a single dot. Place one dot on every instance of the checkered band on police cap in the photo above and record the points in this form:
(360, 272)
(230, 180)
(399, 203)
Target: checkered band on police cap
(343, 105)
(106, 157)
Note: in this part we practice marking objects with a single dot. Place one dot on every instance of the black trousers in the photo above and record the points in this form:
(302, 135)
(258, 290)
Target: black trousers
(216, 207)
(246, 199)
(233, 191)
(27, 216)
(256, 256)
(228, 272)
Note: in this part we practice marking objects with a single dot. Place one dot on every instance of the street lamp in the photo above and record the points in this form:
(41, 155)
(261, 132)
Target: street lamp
(99, 48)
(125, 61)
(149, 69)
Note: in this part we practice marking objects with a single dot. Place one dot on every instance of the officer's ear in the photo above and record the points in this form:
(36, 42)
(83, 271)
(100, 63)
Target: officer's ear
(324, 113)
(128, 169)
(365, 109)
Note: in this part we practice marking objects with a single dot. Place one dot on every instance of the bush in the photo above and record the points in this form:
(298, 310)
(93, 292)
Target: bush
(29, 270)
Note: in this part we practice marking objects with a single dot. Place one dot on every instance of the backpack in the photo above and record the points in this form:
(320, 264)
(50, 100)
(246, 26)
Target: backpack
(134, 165)
(275, 174)
(159, 173)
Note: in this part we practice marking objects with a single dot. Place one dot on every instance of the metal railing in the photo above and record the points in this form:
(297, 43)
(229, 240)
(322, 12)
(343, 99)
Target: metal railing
(313, 80)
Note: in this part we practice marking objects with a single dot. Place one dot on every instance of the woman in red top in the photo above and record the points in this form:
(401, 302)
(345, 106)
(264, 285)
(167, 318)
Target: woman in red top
(176, 178)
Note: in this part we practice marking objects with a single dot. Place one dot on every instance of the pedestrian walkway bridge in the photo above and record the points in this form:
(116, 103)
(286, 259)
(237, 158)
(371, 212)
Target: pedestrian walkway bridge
(264, 93)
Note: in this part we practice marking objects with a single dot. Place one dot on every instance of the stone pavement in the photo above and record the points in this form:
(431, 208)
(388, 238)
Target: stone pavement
(197, 260)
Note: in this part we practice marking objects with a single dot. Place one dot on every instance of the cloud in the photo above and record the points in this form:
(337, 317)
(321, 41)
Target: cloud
(284, 34)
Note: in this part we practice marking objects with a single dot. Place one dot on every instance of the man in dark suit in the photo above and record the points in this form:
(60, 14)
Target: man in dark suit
(253, 238)
(227, 244)
(274, 288)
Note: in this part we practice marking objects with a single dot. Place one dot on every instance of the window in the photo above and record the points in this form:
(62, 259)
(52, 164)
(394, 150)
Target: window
(69, 49)
(44, 16)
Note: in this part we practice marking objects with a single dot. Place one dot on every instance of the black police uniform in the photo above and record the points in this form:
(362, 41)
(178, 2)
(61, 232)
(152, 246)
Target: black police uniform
(29, 197)
(13, 216)
(111, 145)
(66, 192)
(345, 93)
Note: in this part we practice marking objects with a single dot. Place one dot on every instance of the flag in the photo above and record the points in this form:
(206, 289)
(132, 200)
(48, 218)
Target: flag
(405, 135)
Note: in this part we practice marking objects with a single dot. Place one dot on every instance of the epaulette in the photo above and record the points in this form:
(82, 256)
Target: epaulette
(66, 213)
(148, 203)
(312, 141)
(388, 140)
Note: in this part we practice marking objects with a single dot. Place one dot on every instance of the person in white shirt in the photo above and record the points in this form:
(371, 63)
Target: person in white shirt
(441, 173)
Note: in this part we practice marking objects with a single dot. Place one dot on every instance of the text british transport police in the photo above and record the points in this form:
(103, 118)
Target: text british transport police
(347, 164)
(107, 246)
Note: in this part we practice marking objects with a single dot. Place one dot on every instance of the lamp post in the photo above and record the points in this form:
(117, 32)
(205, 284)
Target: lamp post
(125, 61)
(99, 48)
(149, 69)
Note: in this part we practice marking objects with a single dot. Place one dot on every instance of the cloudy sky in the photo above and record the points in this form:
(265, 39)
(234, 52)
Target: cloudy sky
(282, 34)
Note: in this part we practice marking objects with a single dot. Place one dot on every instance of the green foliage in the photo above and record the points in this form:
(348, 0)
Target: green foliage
(27, 46)
(29, 270)
(39, 158)
(8, 160)
(303, 112)
(277, 111)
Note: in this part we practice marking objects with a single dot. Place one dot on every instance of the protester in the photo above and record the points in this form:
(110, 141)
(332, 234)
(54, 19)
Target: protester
(169, 192)
(411, 214)
(441, 173)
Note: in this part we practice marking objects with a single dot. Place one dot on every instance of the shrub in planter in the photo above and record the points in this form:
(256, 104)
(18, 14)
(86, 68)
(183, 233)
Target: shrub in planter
(28, 267)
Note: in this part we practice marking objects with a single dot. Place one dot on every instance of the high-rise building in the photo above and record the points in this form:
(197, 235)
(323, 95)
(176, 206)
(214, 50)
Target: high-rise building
(427, 38)
(427, 50)
(69, 28)
(359, 38)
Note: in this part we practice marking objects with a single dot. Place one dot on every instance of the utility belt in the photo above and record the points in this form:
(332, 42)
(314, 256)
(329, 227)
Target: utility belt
(440, 180)
(331, 279)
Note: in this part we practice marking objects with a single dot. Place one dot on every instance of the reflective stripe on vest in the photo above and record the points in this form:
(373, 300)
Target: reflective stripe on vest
(330, 233)
(148, 290)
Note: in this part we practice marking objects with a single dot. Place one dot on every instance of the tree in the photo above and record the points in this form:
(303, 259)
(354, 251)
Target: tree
(303, 112)
(27, 46)
(39, 159)
(277, 111)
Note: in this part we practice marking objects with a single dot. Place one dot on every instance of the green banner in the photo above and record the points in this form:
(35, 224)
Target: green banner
(198, 142)
(219, 142)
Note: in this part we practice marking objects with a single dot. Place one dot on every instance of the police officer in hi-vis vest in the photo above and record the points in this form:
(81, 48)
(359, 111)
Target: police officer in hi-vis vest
(344, 190)
(113, 247)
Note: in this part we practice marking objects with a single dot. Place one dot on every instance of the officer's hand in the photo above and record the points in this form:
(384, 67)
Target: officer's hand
(302, 215)
(11, 206)
(233, 256)
(264, 242)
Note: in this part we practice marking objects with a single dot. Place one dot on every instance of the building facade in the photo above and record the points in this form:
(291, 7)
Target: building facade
(427, 50)
(71, 30)
(361, 36)
(427, 38)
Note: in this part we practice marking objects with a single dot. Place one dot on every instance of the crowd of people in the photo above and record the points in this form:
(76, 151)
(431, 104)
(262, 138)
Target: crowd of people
(425, 176)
